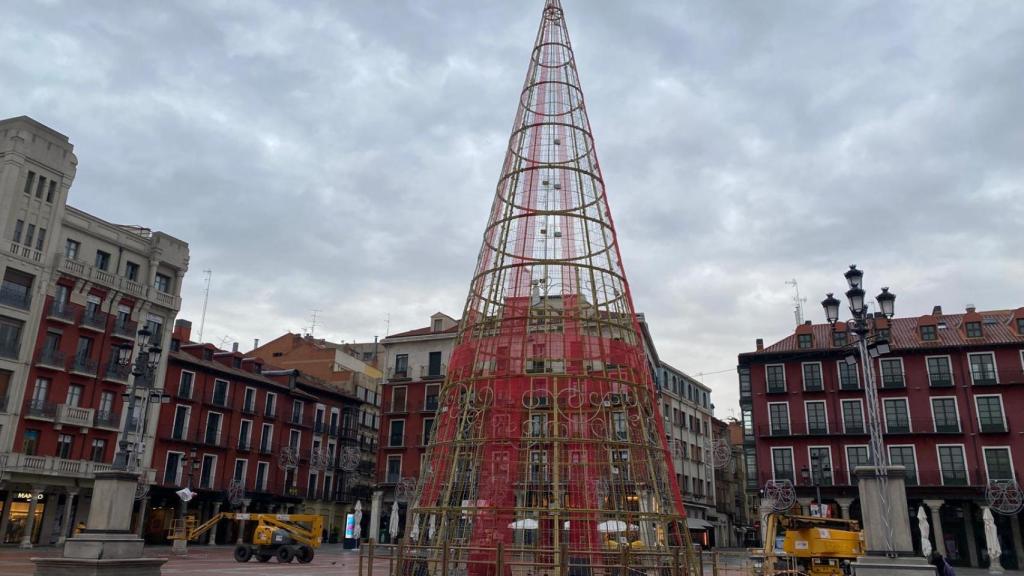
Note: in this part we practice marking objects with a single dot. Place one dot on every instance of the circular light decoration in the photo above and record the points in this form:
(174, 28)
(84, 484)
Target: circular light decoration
(288, 458)
(780, 494)
(721, 454)
(1004, 497)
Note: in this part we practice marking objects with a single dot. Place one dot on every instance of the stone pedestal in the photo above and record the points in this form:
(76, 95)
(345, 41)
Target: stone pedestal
(107, 546)
(876, 562)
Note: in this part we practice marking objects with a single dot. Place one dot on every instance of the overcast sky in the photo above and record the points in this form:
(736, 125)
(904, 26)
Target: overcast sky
(342, 156)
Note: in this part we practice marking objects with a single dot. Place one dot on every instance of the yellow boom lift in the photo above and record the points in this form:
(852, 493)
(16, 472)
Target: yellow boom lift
(286, 536)
(809, 544)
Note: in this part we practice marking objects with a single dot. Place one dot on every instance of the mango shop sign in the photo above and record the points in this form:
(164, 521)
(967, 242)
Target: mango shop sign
(27, 496)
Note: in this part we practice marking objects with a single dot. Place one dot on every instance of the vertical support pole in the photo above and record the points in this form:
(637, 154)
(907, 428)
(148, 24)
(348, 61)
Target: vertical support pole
(373, 556)
(391, 561)
(360, 573)
(501, 559)
(700, 557)
(675, 563)
(563, 560)
(401, 552)
(444, 559)
(714, 563)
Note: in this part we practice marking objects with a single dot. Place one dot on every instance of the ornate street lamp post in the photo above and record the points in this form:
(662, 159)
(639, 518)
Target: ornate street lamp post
(881, 486)
(143, 379)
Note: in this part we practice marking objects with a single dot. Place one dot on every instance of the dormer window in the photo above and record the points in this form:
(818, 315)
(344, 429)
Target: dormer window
(839, 339)
(973, 329)
(882, 333)
(437, 325)
(803, 341)
(928, 332)
(1020, 326)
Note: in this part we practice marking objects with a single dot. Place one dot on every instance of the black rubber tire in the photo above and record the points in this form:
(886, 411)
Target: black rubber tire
(264, 556)
(304, 554)
(285, 554)
(242, 553)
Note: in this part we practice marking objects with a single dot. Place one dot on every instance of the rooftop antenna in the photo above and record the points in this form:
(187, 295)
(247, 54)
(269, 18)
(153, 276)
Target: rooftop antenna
(387, 325)
(206, 298)
(224, 340)
(798, 302)
(313, 323)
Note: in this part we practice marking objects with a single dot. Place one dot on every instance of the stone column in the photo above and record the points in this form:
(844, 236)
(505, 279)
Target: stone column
(241, 523)
(805, 505)
(1018, 545)
(940, 542)
(376, 502)
(65, 525)
(30, 522)
(844, 506)
(5, 520)
(213, 532)
(143, 506)
(972, 544)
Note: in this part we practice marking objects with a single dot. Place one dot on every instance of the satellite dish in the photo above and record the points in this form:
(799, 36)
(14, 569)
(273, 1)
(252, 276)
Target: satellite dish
(185, 494)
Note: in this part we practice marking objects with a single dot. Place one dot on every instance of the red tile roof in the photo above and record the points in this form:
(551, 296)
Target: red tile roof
(998, 327)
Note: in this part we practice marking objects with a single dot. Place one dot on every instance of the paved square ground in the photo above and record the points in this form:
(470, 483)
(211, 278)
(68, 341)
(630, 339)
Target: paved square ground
(330, 559)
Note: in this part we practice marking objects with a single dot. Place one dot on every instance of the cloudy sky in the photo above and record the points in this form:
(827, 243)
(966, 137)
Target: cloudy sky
(342, 156)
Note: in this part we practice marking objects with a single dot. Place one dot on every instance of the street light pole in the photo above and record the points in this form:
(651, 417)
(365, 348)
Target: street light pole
(869, 347)
(146, 362)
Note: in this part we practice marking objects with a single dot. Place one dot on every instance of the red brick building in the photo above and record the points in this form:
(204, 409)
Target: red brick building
(416, 362)
(951, 394)
(280, 434)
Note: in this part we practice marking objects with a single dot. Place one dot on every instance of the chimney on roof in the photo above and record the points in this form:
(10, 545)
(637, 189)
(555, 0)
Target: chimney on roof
(807, 322)
(183, 330)
(937, 311)
(760, 344)
(255, 343)
(970, 308)
(234, 346)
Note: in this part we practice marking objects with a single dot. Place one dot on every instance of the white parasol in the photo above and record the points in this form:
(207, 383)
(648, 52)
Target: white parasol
(430, 527)
(992, 542)
(925, 529)
(524, 524)
(358, 530)
(393, 523)
(414, 534)
(615, 526)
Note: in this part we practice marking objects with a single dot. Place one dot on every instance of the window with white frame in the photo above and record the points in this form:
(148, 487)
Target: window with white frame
(817, 420)
(782, 464)
(856, 456)
(244, 434)
(775, 377)
(904, 456)
(294, 439)
(892, 372)
(270, 407)
(262, 472)
(897, 415)
(172, 468)
(396, 433)
(238, 475)
(939, 372)
(249, 400)
(220, 392)
(990, 413)
(185, 384)
(853, 416)
(820, 458)
(849, 379)
(267, 439)
(213, 421)
(208, 474)
(945, 414)
(952, 465)
(778, 417)
(394, 470)
(983, 368)
(179, 428)
(297, 406)
(998, 463)
(812, 377)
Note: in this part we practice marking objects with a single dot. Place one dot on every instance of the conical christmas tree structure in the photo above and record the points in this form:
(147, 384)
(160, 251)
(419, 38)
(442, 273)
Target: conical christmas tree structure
(549, 439)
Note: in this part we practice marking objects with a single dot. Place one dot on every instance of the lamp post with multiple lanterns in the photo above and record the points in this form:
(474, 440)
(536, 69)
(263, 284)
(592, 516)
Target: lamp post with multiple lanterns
(147, 360)
(816, 475)
(869, 345)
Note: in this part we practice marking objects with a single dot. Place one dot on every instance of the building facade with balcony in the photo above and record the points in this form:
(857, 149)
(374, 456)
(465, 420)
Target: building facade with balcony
(277, 439)
(415, 362)
(75, 289)
(951, 395)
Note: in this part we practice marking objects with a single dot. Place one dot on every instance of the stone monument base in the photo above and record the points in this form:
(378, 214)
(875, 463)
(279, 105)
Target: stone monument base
(900, 566)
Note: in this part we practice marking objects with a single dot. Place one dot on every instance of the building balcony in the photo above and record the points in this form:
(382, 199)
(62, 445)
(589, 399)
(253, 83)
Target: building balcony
(116, 372)
(87, 272)
(426, 373)
(83, 365)
(74, 416)
(41, 410)
(53, 359)
(15, 296)
(26, 252)
(94, 320)
(61, 312)
(398, 373)
(51, 465)
(107, 419)
(126, 330)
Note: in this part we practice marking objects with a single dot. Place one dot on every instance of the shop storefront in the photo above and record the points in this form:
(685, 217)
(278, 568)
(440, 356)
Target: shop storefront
(17, 517)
